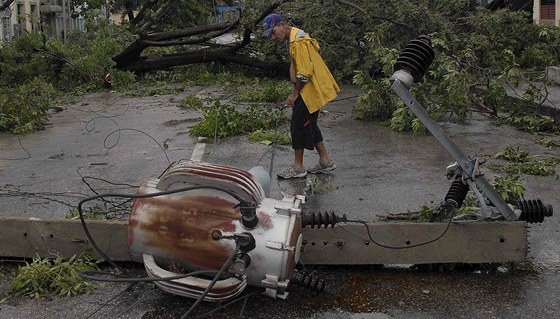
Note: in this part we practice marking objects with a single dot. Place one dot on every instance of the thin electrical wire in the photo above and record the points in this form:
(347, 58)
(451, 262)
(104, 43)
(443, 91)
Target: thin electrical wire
(92, 122)
(17, 158)
(35, 195)
(207, 290)
(278, 116)
(86, 275)
(400, 247)
(97, 112)
(108, 182)
(138, 131)
(119, 130)
(139, 300)
(108, 301)
(18, 192)
(268, 150)
(97, 193)
(245, 298)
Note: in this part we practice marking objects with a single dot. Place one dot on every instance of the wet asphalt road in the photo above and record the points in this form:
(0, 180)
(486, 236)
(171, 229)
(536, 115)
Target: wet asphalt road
(378, 171)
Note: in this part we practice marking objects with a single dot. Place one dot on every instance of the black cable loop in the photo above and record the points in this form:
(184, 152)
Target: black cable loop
(401, 247)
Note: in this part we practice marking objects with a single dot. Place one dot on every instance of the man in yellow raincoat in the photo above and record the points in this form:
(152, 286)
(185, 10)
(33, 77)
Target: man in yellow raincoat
(314, 86)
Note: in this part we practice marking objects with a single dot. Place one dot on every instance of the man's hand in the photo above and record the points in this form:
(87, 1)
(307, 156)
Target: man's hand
(291, 99)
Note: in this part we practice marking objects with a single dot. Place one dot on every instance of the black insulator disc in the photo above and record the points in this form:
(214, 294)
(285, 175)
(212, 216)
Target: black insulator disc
(412, 65)
(426, 52)
(533, 211)
(416, 57)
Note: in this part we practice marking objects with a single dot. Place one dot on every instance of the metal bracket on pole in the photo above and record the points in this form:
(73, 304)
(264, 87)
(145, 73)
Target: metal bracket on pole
(466, 165)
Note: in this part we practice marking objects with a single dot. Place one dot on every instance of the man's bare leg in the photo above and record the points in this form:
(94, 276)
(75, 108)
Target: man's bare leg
(323, 155)
(298, 158)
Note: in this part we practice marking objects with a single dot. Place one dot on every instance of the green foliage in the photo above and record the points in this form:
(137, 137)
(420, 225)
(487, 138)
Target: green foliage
(35, 69)
(20, 61)
(549, 142)
(509, 187)
(52, 277)
(191, 101)
(469, 210)
(222, 120)
(82, 61)
(123, 80)
(531, 123)
(153, 91)
(90, 213)
(264, 91)
(268, 137)
(403, 120)
(512, 154)
(229, 78)
(533, 167)
(519, 162)
(24, 108)
(473, 61)
(426, 212)
(377, 102)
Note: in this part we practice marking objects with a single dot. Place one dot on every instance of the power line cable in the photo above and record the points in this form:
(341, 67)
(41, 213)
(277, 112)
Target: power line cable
(18, 158)
(401, 247)
(209, 287)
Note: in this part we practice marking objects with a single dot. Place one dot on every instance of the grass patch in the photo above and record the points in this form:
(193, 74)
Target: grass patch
(264, 91)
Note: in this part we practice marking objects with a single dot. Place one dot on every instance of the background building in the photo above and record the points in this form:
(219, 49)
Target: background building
(546, 12)
(52, 17)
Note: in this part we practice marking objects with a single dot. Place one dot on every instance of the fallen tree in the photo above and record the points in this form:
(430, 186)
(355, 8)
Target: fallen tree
(197, 44)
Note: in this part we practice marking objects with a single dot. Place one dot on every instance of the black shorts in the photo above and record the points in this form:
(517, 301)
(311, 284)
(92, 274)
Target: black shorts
(303, 127)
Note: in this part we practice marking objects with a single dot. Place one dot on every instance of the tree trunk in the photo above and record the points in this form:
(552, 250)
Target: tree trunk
(131, 57)
(204, 56)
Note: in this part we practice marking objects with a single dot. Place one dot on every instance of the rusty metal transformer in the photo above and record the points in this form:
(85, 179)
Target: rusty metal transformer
(197, 229)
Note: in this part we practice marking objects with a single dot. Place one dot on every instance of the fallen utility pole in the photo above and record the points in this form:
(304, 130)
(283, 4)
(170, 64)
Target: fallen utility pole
(345, 244)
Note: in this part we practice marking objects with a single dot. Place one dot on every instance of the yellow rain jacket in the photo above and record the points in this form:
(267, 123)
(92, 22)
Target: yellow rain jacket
(321, 86)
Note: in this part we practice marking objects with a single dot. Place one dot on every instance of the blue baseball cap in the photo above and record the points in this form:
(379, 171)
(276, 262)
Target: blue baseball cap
(269, 22)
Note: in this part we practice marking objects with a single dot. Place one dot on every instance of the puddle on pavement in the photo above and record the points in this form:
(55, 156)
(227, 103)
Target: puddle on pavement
(377, 292)
(381, 290)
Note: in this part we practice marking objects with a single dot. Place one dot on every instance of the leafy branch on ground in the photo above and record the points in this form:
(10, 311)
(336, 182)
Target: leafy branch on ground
(191, 101)
(222, 120)
(549, 142)
(46, 277)
(519, 162)
(509, 187)
(264, 91)
(268, 137)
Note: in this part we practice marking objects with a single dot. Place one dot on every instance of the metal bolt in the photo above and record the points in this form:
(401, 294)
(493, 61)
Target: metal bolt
(216, 234)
